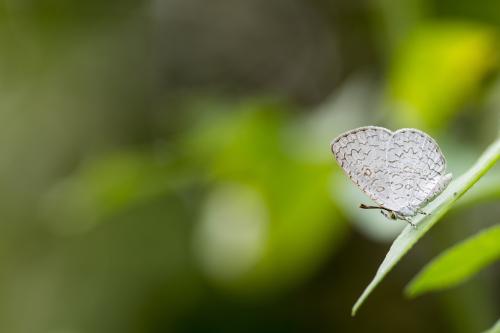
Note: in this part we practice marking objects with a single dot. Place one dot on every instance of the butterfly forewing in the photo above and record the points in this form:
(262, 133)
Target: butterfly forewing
(362, 155)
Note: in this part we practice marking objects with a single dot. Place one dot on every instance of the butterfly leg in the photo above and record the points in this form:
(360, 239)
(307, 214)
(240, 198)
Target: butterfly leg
(407, 219)
(422, 212)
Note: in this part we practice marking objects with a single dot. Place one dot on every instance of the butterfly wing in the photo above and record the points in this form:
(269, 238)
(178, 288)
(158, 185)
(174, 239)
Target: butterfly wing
(361, 153)
(416, 169)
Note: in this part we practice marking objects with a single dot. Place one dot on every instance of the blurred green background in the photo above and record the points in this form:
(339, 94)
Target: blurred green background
(165, 164)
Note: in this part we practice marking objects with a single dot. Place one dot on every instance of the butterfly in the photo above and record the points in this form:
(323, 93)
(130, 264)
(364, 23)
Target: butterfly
(400, 171)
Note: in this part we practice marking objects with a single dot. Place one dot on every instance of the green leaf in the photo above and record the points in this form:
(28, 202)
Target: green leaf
(439, 51)
(495, 328)
(458, 263)
(438, 208)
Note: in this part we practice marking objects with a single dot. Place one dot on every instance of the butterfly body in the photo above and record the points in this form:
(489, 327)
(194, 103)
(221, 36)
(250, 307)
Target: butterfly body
(401, 171)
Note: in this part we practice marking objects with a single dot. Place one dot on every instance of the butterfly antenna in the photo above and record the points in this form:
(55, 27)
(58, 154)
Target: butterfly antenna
(363, 206)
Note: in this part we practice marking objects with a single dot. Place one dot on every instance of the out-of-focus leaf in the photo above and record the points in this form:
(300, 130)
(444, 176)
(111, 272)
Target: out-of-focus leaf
(487, 12)
(437, 69)
(398, 18)
(105, 186)
(486, 191)
(438, 208)
(495, 328)
(458, 263)
(248, 149)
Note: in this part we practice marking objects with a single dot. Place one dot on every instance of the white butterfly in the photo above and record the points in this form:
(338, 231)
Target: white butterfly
(401, 171)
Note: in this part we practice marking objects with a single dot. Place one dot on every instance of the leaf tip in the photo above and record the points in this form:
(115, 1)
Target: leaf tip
(410, 291)
(414, 288)
(356, 306)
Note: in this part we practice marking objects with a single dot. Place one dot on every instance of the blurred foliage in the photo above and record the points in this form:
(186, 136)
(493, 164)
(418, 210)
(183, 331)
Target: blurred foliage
(248, 149)
(107, 186)
(165, 165)
(440, 67)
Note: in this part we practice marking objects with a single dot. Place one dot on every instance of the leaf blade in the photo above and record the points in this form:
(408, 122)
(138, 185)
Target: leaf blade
(438, 208)
(458, 263)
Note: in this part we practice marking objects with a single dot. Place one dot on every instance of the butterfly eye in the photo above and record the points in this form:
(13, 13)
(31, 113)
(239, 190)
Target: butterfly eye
(393, 215)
